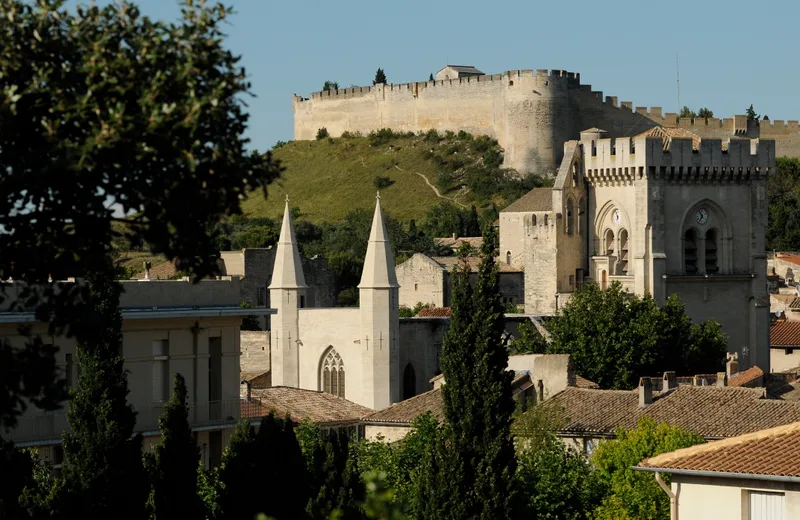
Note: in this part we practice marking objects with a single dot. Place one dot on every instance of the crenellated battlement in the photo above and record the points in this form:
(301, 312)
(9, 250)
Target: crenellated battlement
(531, 113)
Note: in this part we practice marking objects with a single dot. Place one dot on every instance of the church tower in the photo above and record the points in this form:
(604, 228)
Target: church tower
(287, 295)
(380, 320)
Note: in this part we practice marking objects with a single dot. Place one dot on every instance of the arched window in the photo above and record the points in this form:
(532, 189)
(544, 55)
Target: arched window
(409, 382)
(623, 251)
(690, 251)
(608, 242)
(332, 373)
(570, 217)
(508, 257)
(712, 267)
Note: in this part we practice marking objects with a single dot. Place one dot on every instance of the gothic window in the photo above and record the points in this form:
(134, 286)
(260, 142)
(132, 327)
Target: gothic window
(608, 242)
(623, 251)
(570, 216)
(712, 267)
(409, 382)
(690, 251)
(333, 373)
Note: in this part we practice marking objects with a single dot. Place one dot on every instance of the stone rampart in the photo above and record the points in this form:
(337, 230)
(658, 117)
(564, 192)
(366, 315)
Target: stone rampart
(530, 113)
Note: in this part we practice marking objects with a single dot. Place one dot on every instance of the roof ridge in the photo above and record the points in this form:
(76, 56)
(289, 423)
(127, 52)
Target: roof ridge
(714, 446)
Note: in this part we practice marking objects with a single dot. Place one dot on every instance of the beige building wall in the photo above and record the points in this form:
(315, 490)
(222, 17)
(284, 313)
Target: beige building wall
(385, 433)
(782, 359)
(421, 281)
(702, 498)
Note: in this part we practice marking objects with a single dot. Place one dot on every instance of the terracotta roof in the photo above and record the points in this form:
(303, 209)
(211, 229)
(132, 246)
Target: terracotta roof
(447, 263)
(668, 133)
(582, 382)
(406, 411)
(711, 411)
(792, 259)
(434, 312)
(784, 298)
(784, 334)
(469, 69)
(538, 199)
(775, 452)
(455, 243)
(300, 404)
(750, 377)
(247, 375)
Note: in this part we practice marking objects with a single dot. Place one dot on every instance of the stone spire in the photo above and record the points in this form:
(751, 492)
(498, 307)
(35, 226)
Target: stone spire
(378, 270)
(288, 270)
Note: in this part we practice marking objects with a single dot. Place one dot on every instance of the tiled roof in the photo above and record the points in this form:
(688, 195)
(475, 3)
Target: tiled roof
(300, 404)
(784, 334)
(667, 133)
(749, 377)
(434, 312)
(447, 263)
(792, 259)
(455, 243)
(711, 411)
(785, 299)
(406, 411)
(582, 382)
(538, 199)
(775, 452)
(469, 69)
(250, 375)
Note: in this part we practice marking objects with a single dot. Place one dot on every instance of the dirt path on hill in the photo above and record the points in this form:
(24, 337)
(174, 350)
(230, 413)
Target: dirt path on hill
(435, 190)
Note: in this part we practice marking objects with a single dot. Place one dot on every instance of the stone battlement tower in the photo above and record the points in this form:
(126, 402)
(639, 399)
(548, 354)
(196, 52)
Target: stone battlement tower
(530, 113)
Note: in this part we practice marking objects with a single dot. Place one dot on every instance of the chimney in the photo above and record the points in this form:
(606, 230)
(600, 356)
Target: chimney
(645, 392)
(147, 266)
(539, 391)
(670, 381)
(732, 366)
(455, 236)
(722, 379)
(249, 389)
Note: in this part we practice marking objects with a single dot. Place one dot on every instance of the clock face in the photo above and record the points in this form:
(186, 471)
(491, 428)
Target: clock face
(702, 216)
(617, 216)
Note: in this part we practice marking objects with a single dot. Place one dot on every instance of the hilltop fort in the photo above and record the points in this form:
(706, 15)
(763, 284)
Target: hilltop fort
(530, 113)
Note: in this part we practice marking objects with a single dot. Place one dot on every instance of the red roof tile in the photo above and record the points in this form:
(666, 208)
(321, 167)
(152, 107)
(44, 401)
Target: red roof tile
(434, 312)
(300, 404)
(785, 334)
(792, 259)
(774, 452)
(751, 377)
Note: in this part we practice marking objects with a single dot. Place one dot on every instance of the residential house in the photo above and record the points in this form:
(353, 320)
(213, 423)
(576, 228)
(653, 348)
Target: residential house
(755, 476)
(784, 345)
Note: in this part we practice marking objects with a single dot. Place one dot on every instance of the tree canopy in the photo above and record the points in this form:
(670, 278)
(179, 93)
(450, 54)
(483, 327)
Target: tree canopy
(615, 337)
(783, 194)
(109, 117)
(380, 77)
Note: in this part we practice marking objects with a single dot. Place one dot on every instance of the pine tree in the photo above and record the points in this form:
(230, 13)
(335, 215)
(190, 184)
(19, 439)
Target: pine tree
(470, 471)
(751, 113)
(175, 460)
(380, 77)
(430, 78)
(102, 473)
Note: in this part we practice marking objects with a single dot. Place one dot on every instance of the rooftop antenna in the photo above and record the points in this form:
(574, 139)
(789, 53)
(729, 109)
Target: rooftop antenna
(678, 71)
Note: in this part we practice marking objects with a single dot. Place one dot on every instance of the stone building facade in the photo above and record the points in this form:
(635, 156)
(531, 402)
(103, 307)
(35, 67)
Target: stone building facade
(531, 114)
(662, 213)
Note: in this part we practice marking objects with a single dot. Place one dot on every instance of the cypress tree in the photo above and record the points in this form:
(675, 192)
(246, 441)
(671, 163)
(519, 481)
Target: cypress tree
(338, 486)
(174, 462)
(283, 469)
(380, 77)
(470, 471)
(242, 492)
(102, 474)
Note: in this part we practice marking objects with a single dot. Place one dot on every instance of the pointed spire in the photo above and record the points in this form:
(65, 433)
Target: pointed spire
(379, 263)
(288, 270)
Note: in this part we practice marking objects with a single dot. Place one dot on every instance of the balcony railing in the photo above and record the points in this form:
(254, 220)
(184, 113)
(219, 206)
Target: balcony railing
(48, 426)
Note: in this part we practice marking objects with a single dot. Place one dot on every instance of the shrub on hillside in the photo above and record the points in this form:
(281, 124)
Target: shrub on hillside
(350, 135)
(382, 182)
(322, 133)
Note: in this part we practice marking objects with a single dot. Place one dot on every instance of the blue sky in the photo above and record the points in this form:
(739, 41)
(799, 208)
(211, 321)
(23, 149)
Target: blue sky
(732, 53)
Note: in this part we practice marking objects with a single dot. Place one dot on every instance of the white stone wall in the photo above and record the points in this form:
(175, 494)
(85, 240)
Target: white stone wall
(385, 433)
(702, 498)
(421, 281)
(781, 359)
(512, 237)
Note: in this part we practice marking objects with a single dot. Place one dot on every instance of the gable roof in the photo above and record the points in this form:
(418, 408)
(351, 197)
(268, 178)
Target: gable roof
(773, 452)
(538, 199)
(749, 377)
(788, 257)
(300, 404)
(710, 411)
(668, 133)
(467, 69)
(784, 334)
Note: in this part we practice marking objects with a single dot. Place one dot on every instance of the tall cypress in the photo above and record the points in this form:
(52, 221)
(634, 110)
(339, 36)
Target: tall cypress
(338, 487)
(242, 492)
(470, 470)
(284, 470)
(175, 459)
(102, 474)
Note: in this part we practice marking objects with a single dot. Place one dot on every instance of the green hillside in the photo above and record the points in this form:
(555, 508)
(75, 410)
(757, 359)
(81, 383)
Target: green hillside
(328, 178)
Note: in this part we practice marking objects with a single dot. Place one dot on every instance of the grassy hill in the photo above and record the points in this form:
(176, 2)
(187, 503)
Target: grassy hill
(328, 178)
